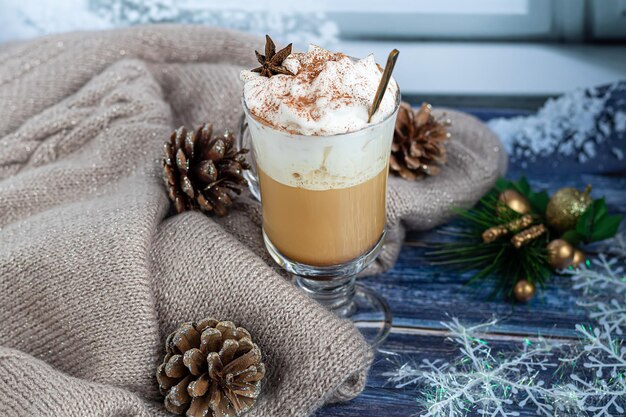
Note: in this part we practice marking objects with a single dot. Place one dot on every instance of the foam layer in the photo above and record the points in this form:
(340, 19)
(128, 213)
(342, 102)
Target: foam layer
(329, 94)
(322, 162)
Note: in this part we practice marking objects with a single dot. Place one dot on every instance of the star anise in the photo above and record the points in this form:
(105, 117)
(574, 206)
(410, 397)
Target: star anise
(271, 62)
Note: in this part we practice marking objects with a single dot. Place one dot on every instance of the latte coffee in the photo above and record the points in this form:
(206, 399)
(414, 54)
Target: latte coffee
(322, 166)
(324, 227)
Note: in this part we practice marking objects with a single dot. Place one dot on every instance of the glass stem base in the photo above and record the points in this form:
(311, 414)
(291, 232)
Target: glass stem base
(335, 288)
(336, 295)
(344, 297)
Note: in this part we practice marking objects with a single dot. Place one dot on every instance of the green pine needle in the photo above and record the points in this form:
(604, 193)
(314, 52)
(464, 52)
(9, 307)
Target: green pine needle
(499, 260)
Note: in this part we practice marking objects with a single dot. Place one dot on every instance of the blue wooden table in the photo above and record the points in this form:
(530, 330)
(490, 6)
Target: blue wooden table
(422, 295)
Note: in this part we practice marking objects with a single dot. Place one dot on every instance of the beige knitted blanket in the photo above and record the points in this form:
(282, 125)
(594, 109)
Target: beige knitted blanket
(94, 275)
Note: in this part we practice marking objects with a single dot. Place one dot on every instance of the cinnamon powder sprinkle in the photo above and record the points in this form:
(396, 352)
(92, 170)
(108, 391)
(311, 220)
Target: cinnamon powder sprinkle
(322, 83)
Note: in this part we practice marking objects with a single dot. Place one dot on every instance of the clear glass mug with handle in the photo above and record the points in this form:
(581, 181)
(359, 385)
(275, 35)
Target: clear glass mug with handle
(323, 203)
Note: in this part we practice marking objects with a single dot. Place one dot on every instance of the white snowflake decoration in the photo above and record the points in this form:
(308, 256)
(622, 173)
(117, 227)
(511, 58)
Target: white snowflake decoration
(603, 278)
(600, 385)
(482, 382)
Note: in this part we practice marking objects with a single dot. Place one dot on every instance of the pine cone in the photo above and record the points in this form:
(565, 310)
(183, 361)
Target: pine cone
(418, 147)
(202, 173)
(211, 369)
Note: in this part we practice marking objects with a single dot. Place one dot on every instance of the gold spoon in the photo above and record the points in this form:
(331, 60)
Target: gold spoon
(384, 81)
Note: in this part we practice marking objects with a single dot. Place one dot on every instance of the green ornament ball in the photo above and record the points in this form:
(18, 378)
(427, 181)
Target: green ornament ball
(565, 208)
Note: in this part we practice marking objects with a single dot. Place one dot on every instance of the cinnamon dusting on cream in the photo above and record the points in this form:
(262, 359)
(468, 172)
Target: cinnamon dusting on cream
(329, 94)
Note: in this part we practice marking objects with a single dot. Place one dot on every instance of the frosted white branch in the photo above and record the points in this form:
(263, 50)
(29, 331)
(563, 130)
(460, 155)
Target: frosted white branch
(604, 276)
(480, 380)
(497, 385)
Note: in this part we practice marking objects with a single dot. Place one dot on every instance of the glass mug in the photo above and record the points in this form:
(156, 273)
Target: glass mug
(323, 203)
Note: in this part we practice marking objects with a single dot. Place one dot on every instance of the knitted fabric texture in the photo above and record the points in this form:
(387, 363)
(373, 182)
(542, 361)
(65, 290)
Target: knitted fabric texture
(94, 275)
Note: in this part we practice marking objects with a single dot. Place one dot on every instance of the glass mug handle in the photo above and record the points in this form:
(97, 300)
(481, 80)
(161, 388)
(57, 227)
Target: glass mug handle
(244, 140)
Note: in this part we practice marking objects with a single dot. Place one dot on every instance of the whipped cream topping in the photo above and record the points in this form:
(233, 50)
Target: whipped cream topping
(329, 94)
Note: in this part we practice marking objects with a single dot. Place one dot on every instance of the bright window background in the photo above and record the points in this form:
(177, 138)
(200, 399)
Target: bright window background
(448, 47)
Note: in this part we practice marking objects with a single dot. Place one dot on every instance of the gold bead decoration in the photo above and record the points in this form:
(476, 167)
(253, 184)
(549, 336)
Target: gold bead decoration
(560, 254)
(579, 258)
(515, 201)
(495, 232)
(525, 236)
(521, 223)
(524, 291)
(565, 208)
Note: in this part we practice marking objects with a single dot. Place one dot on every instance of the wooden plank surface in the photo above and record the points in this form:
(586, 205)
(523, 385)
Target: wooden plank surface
(422, 295)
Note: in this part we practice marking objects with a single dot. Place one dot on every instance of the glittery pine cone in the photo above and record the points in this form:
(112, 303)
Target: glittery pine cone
(418, 148)
(211, 369)
(202, 173)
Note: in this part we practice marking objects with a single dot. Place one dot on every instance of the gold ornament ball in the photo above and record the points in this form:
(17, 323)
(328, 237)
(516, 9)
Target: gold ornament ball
(515, 201)
(560, 254)
(524, 291)
(579, 258)
(565, 208)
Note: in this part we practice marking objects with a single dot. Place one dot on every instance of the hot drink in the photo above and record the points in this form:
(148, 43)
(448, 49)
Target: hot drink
(322, 166)
(320, 125)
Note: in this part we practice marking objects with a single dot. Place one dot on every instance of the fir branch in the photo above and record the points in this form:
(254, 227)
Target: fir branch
(498, 259)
